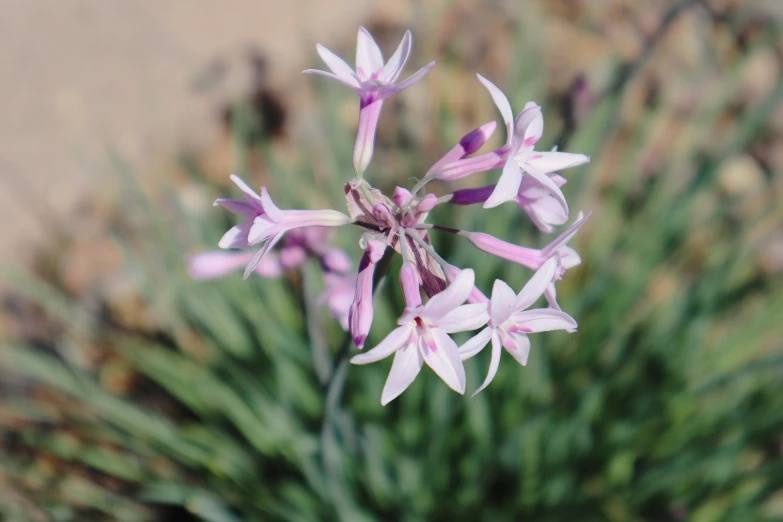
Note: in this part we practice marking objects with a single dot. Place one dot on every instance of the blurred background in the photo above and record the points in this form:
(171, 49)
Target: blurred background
(130, 392)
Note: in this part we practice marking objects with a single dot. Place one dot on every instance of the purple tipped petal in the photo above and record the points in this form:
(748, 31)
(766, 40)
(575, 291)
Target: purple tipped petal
(454, 295)
(475, 344)
(494, 363)
(406, 366)
(338, 66)
(361, 314)
(502, 104)
(394, 66)
(471, 196)
(476, 139)
(507, 186)
(444, 360)
(368, 55)
(502, 302)
(365, 135)
(536, 286)
(396, 340)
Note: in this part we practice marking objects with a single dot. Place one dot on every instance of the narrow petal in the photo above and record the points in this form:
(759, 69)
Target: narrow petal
(528, 257)
(464, 318)
(551, 296)
(348, 81)
(261, 230)
(236, 237)
(518, 345)
(444, 359)
(544, 320)
(256, 260)
(537, 285)
(413, 78)
(554, 161)
(249, 193)
(529, 126)
(494, 363)
(406, 366)
(368, 55)
(365, 135)
(270, 209)
(547, 182)
(394, 66)
(507, 186)
(501, 303)
(566, 236)
(338, 66)
(244, 208)
(501, 102)
(394, 341)
(470, 143)
(475, 344)
(454, 295)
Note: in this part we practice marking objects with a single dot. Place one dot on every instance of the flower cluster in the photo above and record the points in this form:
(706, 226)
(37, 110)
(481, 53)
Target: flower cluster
(398, 226)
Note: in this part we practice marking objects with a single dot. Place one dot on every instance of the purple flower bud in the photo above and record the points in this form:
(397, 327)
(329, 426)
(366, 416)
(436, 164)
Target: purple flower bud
(360, 316)
(402, 196)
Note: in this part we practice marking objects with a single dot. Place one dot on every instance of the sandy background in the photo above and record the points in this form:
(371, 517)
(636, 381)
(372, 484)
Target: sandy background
(83, 77)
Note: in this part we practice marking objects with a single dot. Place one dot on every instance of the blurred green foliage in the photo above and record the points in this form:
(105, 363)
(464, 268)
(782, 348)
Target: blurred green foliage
(667, 404)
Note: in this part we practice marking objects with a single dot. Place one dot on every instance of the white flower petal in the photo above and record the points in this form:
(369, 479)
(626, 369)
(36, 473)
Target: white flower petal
(475, 344)
(494, 363)
(447, 300)
(502, 302)
(394, 66)
(529, 126)
(368, 55)
(537, 285)
(551, 296)
(501, 102)
(549, 210)
(546, 181)
(518, 345)
(406, 366)
(249, 193)
(348, 81)
(507, 186)
(244, 208)
(410, 80)
(569, 258)
(464, 318)
(554, 161)
(444, 360)
(337, 65)
(544, 320)
(395, 340)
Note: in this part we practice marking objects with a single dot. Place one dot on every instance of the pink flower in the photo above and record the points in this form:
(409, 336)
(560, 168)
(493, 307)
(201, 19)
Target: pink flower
(373, 81)
(510, 321)
(264, 222)
(217, 263)
(423, 334)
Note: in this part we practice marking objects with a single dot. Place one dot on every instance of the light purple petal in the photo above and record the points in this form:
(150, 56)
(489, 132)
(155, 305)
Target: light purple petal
(494, 363)
(465, 167)
(394, 66)
(537, 285)
(261, 230)
(211, 265)
(565, 237)
(394, 341)
(529, 126)
(554, 161)
(507, 186)
(549, 210)
(349, 82)
(569, 258)
(501, 303)
(365, 135)
(292, 256)
(518, 345)
(413, 78)
(361, 313)
(236, 237)
(501, 102)
(338, 66)
(406, 366)
(410, 286)
(528, 257)
(335, 260)
(464, 318)
(551, 296)
(368, 55)
(256, 260)
(454, 295)
(547, 182)
(274, 213)
(244, 208)
(249, 193)
(444, 359)
(475, 344)
(544, 320)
